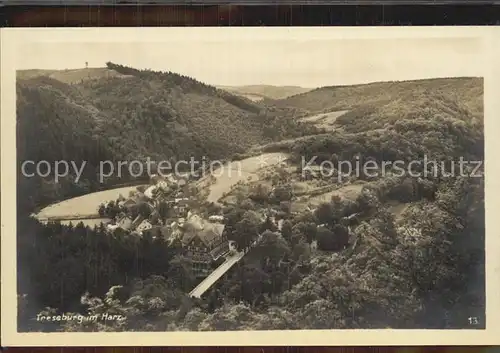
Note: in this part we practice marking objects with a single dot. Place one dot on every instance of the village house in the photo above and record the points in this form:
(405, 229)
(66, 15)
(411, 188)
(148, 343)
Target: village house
(155, 178)
(124, 222)
(172, 231)
(149, 191)
(203, 243)
(137, 221)
(181, 206)
(127, 203)
(168, 180)
(111, 227)
(164, 185)
(154, 217)
(216, 218)
(143, 226)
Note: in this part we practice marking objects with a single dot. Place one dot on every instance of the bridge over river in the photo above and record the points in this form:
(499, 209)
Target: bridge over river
(213, 277)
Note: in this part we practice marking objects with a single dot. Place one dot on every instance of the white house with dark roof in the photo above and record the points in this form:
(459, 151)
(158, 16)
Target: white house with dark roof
(216, 218)
(144, 226)
(149, 191)
(124, 223)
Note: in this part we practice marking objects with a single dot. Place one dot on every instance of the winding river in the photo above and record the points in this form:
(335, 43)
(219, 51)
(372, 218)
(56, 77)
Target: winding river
(82, 206)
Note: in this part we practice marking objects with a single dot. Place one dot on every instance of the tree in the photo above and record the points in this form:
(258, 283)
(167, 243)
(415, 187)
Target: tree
(367, 200)
(304, 230)
(286, 207)
(287, 230)
(282, 193)
(271, 247)
(163, 210)
(322, 314)
(259, 193)
(112, 209)
(101, 210)
(268, 224)
(325, 214)
(301, 252)
(144, 209)
(229, 317)
(246, 230)
(341, 235)
(405, 191)
(181, 272)
(326, 239)
(193, 319)
(332, 240)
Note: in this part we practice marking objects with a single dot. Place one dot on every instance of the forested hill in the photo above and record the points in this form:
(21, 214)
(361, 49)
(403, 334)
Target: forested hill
(147, 113)
(120, 113)
(403, 252)
(466, 90)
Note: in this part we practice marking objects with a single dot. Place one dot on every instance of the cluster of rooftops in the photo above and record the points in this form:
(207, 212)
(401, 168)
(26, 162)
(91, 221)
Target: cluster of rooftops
(202, 239)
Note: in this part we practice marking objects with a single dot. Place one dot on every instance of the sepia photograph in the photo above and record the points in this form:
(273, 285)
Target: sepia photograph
(181, 181)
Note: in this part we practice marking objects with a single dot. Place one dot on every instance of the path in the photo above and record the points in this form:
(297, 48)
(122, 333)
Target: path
(213, 277)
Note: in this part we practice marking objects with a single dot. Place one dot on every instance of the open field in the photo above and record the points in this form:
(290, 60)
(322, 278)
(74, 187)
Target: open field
(253, 97)
(324, 120)
(397, 209)
(328, 118)
(349, 192)
(83, 205)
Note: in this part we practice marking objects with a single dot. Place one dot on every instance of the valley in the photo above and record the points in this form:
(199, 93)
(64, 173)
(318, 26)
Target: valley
(260, 242)
(262, 92)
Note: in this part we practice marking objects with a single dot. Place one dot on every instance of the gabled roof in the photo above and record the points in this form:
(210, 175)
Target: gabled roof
(127, 202)
(137, 220)
(145, 225)
(208, 234)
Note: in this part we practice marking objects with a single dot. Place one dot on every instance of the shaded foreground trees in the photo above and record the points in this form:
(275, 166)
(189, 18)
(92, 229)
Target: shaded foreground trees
(423, 271)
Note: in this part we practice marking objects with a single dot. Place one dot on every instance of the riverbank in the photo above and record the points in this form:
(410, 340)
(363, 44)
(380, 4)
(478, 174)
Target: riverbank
(85, 205)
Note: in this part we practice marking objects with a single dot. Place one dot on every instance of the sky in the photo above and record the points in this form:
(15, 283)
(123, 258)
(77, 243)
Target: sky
(311, 63)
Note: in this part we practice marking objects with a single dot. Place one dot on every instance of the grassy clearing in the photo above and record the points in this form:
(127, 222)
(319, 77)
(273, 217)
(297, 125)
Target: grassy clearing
(398, 208)
(324, 118)
(349, 192)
